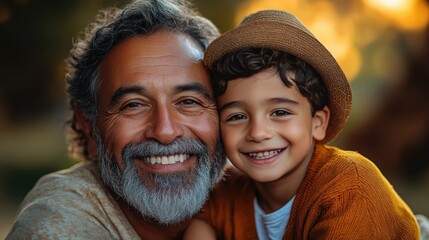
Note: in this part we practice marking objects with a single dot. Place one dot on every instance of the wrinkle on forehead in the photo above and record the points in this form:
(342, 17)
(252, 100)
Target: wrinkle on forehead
(159, 49)
(178, 44)
(167, 60)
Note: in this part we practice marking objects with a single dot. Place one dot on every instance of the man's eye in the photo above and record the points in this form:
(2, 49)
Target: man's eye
(189, 102)
(279, 112)
(131, 105)
(236, 117)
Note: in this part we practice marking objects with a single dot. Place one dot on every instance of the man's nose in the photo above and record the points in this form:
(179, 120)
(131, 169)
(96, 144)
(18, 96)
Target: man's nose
(165, 126)
(259, 130)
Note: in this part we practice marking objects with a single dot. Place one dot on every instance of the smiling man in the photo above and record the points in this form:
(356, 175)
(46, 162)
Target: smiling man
(144, 120)
(157, 119)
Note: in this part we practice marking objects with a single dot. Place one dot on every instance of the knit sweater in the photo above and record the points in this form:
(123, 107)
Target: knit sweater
(342, 196)
(71, 204)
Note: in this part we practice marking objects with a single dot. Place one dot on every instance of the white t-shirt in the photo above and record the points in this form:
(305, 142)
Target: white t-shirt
(273, 225)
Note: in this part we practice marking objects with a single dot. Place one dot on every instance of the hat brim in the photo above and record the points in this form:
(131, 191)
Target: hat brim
(289, 38)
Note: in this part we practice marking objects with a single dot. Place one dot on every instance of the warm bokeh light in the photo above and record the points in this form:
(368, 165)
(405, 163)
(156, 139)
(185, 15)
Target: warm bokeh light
(388, 65)
(351, 63)
(324, 22)
(395, 5)
(347, 37)
(254, 5)
(4, 13)
(405, 14)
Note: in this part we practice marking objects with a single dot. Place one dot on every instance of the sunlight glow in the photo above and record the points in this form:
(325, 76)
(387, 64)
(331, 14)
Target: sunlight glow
(321, 18)
(391, 5)
(254, 5)
(405, 14)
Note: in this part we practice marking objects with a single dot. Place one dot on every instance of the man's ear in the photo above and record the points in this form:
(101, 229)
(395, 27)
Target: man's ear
(86, 126)
(320, 123)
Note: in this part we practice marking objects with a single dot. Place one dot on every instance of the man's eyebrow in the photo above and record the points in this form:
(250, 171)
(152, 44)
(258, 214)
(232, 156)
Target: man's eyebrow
(125, 90)
(196, 87)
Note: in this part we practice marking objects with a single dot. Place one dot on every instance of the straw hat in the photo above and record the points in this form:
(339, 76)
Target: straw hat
(282, 31)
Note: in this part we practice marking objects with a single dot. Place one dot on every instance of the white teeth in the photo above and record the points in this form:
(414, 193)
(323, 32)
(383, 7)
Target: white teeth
(164, 160)
(264, 155)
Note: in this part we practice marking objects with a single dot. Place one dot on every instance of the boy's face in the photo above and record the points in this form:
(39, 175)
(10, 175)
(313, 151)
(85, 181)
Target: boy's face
(267, 128)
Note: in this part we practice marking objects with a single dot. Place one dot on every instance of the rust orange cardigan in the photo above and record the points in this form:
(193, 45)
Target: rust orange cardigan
(343, 196)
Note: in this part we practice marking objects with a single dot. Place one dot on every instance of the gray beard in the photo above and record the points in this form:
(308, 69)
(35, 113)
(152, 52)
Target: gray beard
(167, 198)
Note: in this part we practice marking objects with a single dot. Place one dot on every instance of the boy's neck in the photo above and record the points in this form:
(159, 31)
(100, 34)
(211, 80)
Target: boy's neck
(273, 195)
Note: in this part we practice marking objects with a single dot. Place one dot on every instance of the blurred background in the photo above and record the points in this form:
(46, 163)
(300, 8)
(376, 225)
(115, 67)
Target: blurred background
(382, 45)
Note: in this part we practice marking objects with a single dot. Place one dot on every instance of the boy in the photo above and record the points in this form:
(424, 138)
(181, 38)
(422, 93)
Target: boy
(281, 97)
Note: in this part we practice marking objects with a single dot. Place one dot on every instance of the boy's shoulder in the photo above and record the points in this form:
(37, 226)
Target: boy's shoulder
(336, 158)
(337, 166)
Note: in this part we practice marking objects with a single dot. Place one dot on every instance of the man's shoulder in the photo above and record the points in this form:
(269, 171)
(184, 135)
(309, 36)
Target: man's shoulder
(79, 175)
(74, 182)
(67, 203)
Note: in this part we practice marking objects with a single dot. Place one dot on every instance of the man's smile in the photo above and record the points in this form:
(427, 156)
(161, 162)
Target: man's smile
(165, 160)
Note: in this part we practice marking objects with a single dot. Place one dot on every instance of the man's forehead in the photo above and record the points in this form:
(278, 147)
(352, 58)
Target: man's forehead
(164, 61)
(158, 49)
(164, 43)
(167, 60)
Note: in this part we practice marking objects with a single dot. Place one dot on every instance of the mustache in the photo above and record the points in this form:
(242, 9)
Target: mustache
(155, 148)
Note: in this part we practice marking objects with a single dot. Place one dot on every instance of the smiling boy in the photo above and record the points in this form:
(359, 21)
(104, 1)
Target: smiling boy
(282, 97)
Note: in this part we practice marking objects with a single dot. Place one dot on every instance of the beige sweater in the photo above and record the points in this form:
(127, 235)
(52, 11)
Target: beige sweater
(71, 204)
(343, 196)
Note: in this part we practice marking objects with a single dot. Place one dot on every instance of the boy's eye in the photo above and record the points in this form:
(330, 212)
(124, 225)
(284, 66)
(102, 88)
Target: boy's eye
(236, 117)
(279, 112)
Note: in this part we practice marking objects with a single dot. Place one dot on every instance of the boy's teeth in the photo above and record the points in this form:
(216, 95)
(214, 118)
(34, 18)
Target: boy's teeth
(264, 155)
(165, 160)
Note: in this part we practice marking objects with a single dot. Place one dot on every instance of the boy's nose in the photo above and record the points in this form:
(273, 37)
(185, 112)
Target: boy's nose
(259, 130)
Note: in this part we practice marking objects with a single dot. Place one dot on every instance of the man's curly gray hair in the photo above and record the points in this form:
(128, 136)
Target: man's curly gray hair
(141, 17)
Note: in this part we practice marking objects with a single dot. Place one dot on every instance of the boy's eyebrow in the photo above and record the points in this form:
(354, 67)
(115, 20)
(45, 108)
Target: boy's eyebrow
(271, 100)
(228, 105)
(125, 90)
(283, 100)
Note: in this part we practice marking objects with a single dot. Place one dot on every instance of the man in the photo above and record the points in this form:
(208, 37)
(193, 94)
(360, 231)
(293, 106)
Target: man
(144, 120)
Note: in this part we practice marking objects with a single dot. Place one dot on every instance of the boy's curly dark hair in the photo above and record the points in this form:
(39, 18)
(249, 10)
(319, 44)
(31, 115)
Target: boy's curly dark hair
(249, 61)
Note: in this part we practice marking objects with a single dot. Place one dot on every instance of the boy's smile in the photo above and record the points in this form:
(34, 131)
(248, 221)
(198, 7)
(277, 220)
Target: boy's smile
(263, 157)
(267, 128)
